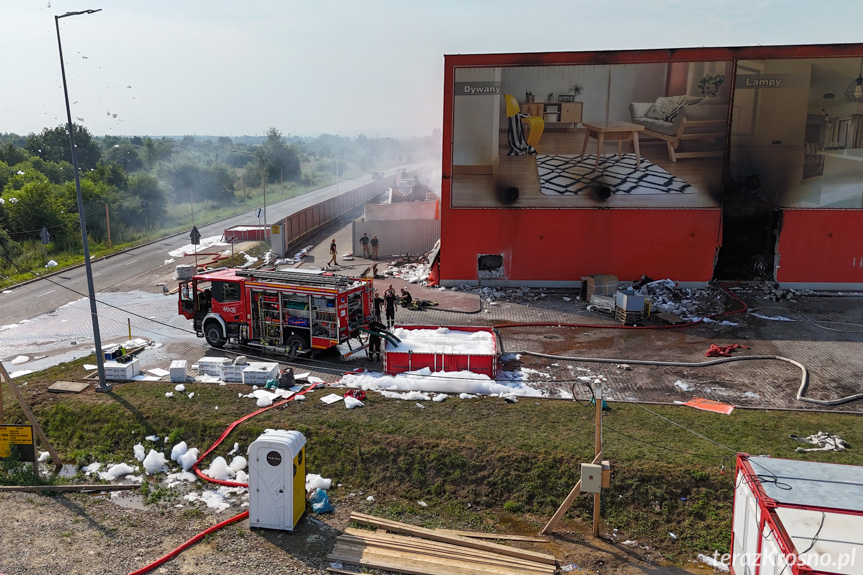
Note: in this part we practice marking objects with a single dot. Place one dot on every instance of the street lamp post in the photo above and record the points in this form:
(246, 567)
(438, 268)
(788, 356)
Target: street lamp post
(100, 363)
(260, 156)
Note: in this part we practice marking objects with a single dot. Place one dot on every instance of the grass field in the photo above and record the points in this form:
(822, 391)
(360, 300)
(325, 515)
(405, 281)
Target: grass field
(476, 462)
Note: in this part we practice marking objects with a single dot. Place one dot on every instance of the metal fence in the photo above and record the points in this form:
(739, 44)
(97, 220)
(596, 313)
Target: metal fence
(398, 237)
(294, 228)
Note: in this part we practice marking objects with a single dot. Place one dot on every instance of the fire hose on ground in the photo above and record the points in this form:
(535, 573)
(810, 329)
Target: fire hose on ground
(804, 380)
(201, 474)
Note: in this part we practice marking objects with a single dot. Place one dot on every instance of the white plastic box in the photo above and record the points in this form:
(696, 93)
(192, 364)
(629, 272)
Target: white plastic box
(258, 373)
(232, 373)
(177, 370)
(212, 365)
(277, 479)
(117, 371)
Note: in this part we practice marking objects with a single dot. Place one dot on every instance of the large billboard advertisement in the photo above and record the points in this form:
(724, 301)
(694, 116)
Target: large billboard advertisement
(650, 135)
(658, 134)
(797, 132)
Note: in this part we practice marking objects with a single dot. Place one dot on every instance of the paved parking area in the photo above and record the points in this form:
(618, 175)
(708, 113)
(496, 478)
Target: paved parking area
(826, 336)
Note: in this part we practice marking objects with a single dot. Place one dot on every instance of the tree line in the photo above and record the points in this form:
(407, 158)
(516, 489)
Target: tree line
(142, 181)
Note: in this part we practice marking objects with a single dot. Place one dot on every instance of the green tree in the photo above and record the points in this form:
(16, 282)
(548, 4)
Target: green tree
(35, 204)
(52, 145)
(12, 154)
(189, 180)
(281, 161)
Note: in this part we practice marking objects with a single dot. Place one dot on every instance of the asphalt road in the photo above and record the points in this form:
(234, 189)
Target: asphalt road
(44, 295)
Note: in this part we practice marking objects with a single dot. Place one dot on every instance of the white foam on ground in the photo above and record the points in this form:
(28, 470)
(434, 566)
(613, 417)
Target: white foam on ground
(439, 382)
(443, 340)
(155, 462)
(188, 459)
(315, 481)
(219, 469)
(117, 471)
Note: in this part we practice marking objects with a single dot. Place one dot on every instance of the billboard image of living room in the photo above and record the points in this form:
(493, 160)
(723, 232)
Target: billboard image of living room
(645, 135)
(797, 132)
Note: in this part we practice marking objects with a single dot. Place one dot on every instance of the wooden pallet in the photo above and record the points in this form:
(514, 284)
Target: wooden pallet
(432, 551)
(628, 317)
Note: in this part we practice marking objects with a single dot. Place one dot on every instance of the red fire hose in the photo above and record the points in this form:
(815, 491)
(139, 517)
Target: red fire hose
(201, 474)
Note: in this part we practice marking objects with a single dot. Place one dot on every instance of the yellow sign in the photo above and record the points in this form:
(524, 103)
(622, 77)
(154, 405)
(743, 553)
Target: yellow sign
(275, 229)
(20, 436)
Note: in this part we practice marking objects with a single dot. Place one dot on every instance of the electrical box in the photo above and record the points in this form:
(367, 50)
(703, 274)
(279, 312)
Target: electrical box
(277, 479)
(591, 478)
(606, 473)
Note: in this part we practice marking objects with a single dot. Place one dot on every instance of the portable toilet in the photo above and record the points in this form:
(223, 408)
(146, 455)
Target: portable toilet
(277, 479)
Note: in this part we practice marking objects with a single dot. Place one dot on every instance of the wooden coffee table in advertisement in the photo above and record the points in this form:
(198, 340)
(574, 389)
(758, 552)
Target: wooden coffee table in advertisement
(612, 131)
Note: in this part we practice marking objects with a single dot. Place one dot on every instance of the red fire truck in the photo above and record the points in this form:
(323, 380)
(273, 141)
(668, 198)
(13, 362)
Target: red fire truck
(288, 311)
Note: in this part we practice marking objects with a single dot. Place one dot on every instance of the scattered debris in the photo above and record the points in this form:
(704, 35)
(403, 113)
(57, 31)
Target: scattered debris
(723, 350)
(824, 441)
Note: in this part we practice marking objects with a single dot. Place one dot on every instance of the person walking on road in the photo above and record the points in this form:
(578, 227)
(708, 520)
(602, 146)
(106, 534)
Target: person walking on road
(333, 252)
(364, 241)
(374, 243)
(390, 300)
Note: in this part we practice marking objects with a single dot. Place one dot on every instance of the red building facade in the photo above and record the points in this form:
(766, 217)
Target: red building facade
(690, 164)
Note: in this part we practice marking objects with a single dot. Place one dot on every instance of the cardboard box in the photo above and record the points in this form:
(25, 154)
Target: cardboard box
(116, 371)
(212, 365)
(258, 373)
(233, 373)
(600, 284)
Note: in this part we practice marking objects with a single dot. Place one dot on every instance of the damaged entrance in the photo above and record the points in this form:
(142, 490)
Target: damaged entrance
(749, 239)
(490, 266)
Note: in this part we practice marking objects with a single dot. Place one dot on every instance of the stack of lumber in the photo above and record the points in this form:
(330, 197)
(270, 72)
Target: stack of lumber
(433, 551)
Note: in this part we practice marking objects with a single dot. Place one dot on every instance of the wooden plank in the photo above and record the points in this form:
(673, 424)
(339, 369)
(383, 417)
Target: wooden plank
(68, 387)
(567, 503)
(411, 558)
(425, 545)
(410, 564)
(497, 536)
(70, 488)
(454, 539)
(437, 548)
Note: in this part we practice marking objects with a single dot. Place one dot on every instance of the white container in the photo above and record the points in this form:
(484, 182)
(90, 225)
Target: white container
(232, 373)
(258, 373)
(212, 365)
(117, 371)
(277, 479)
(178, 370)
(628, 300)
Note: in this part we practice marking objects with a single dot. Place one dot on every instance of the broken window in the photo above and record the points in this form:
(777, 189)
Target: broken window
(490, 266)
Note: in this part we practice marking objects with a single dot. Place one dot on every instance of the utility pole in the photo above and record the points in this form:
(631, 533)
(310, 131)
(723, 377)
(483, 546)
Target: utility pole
(597, 497)
(262, 160)
(108, 224)
(91, 291)
(192, 204)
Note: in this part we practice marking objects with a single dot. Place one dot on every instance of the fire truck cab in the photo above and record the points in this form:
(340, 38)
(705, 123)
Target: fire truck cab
(287, 311)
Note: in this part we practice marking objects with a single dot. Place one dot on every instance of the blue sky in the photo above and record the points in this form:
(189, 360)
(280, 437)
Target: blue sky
(341, 67)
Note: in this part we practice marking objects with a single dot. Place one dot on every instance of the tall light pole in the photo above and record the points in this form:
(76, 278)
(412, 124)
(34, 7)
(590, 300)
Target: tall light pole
(260, 156)
(100, 360)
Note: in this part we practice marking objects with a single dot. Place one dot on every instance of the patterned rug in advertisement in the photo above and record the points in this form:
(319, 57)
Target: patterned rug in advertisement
(561, 175)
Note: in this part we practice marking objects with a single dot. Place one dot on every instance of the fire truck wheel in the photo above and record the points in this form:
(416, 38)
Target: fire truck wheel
(294, 344)
(213, 335)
